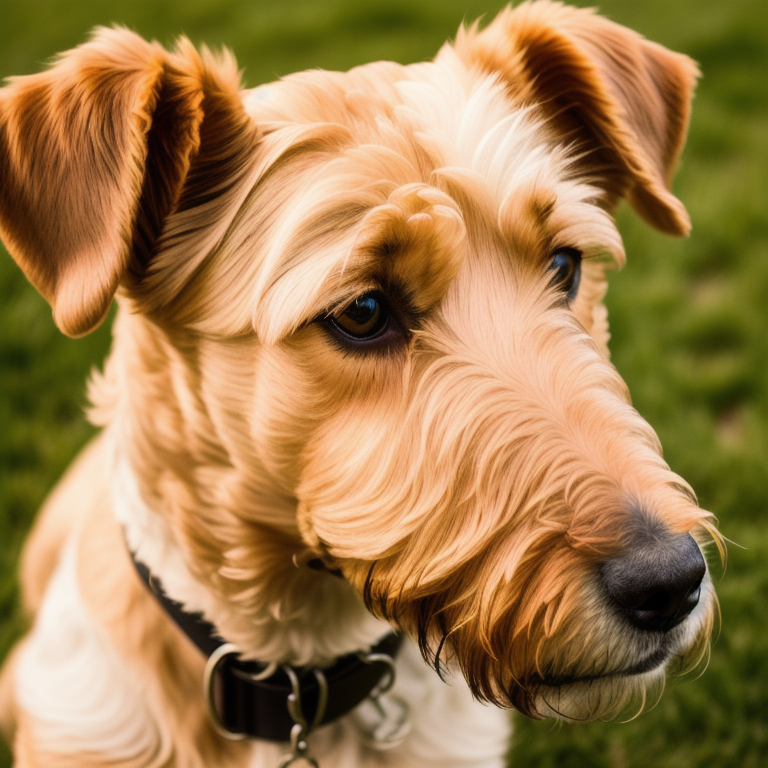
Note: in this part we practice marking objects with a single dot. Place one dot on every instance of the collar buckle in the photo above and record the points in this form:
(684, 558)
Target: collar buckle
(251, 699)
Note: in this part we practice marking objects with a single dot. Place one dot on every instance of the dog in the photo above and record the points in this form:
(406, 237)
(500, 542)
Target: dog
(359, 413)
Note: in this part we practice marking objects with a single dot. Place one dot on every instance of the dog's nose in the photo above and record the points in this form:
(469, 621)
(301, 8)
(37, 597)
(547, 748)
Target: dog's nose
(657, 584)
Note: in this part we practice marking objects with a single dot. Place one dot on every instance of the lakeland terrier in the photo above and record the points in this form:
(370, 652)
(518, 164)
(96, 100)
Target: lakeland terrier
(359, 412)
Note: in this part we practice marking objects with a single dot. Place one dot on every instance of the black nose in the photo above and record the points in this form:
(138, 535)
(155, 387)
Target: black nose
(658, 583)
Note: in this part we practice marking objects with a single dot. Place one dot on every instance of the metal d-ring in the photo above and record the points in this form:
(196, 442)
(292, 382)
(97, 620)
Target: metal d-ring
(388, 680)
(214, 660)
(388, 724)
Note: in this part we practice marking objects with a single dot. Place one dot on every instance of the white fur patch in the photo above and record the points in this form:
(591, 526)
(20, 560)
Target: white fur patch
(73, 684)
(150, 539)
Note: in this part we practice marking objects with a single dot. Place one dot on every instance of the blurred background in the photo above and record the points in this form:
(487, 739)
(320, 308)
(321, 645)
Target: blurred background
(689, 321)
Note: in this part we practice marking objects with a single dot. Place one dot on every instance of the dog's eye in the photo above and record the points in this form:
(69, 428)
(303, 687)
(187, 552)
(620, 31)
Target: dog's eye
(365, 319)
(565, 264)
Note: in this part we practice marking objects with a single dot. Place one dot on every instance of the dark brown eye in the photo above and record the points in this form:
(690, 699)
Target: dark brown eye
(565, 265)
(366, 318)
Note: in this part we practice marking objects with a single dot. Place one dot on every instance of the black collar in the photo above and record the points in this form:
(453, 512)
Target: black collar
(248, 699)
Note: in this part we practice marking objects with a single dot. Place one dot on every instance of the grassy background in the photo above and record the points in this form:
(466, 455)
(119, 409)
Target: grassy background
(689, 318)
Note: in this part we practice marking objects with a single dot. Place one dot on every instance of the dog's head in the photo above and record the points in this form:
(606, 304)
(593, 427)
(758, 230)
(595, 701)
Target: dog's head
(361, 317)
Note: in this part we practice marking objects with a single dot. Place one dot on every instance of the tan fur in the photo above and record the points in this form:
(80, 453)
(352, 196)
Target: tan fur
(469, 479)
(63, 510)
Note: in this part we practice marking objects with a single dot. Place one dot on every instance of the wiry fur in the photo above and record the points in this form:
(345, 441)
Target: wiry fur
(467, 478)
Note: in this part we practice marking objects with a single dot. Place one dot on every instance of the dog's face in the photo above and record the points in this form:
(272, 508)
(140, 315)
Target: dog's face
(362, 320)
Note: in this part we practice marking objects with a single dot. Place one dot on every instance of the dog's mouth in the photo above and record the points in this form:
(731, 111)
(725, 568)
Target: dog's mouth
(649, 663)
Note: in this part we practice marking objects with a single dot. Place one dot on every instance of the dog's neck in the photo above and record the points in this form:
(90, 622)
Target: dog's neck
(340, 623)
(235, 566)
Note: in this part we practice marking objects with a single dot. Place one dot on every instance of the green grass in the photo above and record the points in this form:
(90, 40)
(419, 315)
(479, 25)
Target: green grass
(689, 321)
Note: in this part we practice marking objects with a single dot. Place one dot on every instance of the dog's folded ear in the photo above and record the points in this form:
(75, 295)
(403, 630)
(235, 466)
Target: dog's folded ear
(94, 153)
(623, 100)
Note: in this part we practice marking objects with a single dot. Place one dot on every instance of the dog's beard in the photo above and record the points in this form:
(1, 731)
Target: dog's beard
(610, 692)
(546, 642)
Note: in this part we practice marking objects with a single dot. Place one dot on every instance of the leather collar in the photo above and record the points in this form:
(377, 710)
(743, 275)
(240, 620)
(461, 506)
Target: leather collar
(249, 699)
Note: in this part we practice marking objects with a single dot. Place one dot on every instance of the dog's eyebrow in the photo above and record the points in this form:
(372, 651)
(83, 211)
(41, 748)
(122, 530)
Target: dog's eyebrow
(410, 233)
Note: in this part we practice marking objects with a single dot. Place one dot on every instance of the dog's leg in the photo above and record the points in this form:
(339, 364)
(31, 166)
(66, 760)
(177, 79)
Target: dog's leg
(61, 513)
(7, 696)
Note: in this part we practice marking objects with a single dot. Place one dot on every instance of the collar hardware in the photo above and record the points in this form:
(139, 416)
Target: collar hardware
(251, 699)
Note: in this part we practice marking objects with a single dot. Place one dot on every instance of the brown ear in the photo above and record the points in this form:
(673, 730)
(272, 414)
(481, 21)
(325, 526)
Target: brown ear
(626, 101)
(93, 157)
